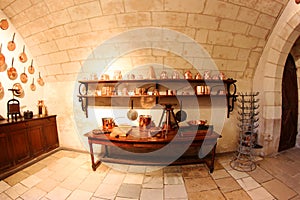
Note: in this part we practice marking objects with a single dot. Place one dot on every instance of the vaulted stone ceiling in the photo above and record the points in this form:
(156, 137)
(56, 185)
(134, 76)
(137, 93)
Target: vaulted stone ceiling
(61, 34)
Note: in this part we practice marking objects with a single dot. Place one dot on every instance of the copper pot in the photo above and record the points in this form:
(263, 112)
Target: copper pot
(145, 121)
(31, 68)
(108, 123)
(4, 24)
(12, 72)
(24, 77)
(23, 56)
(11, 45)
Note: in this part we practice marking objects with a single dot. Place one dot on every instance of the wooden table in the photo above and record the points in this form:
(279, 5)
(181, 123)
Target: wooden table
(178, 147)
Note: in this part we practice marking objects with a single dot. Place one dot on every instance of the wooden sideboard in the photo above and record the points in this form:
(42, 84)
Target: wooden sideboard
(24, 140)
(178, 147)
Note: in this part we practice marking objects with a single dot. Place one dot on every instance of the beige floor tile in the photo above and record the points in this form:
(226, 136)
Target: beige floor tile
(206, 195)
(150, 194)
(47, 184)
(34, 168)
(237, 174)
(31, 181)
(129, 190)
(16, 178)
(80, 194)
(58, 193)
(133, 178)
(33, 194)
(16, 191)
(248, 183)
(3, 186)
(196, 184)
(91, 183)
(44, 173)
(296, 197)
(107, 191)
(155, 181)
(221, 173)
(172, 169)
(175, 191)
(260, 175)
(4, 196)
(137, 169)
(260, 194)
(279, 190)
(237, 195)
(173, 179)
(195, 171)
(121, 198)
(227, 184)
(114, 178)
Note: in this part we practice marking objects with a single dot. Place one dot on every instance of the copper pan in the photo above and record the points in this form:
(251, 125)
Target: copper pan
(23, 56)
(40, 80)
(12, 72)
(31, 68)
(2, 57)
(24, 77)
(11, 45)
(32, 85)
(4, 24)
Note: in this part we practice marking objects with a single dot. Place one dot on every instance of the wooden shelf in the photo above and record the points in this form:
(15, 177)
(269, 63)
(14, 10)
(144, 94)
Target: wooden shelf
(228, 85)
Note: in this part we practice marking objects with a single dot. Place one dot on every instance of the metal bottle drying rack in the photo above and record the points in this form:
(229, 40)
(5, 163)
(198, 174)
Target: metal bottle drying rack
(248, 124)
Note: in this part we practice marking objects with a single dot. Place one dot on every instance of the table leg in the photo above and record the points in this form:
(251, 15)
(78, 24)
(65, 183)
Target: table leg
(212, 161)
(98, 162)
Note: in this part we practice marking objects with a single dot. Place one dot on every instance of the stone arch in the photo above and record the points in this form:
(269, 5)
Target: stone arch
(268, 77)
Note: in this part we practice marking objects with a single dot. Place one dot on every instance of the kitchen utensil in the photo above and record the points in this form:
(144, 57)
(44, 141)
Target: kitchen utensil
(17, 90)
(31, 68)
(11, 45)
(108, 123)
(32, 85)
(180, 115)
(40, 80)
(132, 114)
(12, 72)
(2, 57)
(24, 77)
(188, 75)
(145, 121)
(4, 24)
(23, 56)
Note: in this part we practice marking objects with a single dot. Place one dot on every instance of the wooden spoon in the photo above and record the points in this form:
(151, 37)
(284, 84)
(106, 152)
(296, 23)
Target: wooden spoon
(40, 80)
(32, 85)
(24, 77)
(11, 45)
(23, 56)
(31, 68)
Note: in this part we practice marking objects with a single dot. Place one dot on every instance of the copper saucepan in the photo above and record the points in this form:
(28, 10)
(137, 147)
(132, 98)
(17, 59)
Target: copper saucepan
(12, 72)
(40, 80)
(31, 68)
(3, 65)
(32, 85)
(4, 24)
(11, 45)
(23, 56)
(24, 77)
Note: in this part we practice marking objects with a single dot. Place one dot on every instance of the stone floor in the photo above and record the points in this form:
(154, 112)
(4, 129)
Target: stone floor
(68, 175)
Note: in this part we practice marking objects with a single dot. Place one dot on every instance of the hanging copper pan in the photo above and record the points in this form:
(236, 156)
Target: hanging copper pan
(12, 72)
(3, 65)
(24, 77)
(4, 24)
(31, 68)
(11, 45)
(23, 56)
(40, 80)
(32, 85)
(18, 90)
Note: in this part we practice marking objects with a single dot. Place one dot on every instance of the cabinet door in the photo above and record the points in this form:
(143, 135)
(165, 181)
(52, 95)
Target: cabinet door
(51, 137)
(5, 155)
(35, 136)
(20, 145)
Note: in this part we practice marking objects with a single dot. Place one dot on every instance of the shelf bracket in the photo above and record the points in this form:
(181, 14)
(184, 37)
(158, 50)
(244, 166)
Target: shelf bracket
(231, 97)
(83, 88)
